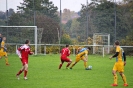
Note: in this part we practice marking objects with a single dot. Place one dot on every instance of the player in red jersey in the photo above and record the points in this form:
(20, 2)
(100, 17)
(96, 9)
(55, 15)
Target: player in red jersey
(23, 53)
(65, 52)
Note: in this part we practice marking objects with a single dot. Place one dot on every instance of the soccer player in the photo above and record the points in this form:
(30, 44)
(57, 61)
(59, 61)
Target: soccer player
(82, 54)
(65, 52)
(3, 50)
(0, 39)
(119, 64)
(23, 53)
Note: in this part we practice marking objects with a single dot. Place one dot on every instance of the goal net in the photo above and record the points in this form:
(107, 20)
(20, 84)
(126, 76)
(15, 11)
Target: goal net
(101, 43)
(18, 35)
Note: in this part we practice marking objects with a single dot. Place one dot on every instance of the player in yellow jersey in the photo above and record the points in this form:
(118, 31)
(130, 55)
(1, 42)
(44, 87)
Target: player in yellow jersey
(82, 54)
(3, 50)
(119, 64)
(0, 41)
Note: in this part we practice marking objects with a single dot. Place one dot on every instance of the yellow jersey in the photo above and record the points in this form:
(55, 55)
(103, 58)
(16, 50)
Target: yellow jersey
(2, 45)
(119, 57)
(83, 53)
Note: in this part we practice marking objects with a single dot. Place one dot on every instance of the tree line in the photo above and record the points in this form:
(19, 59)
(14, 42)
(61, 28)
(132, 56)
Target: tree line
(98, 16)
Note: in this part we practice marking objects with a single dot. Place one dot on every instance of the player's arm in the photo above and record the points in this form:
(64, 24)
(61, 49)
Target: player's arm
(0, 40)
(30, 52)
(124, 56)
(5, 49)
(115, 55)
(18, 52)
(77, 51)
(3, 46)
(69, 52)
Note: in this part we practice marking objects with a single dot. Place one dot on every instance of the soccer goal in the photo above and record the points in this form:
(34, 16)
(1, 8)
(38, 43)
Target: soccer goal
(18, 35)
(101, 43)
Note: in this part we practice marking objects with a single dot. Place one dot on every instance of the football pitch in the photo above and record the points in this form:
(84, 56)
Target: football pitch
(44, 73)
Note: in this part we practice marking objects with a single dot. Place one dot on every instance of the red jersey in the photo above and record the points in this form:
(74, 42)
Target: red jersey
(24, 51)
(65, 52)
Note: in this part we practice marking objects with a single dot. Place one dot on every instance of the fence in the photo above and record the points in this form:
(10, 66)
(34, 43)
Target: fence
(44, 49)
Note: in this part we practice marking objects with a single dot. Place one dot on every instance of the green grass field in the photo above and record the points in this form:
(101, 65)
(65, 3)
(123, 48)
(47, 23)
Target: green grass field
(44, 73)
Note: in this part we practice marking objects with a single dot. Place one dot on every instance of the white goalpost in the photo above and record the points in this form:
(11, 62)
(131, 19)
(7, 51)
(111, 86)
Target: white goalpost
(18, 34)
(101, 43)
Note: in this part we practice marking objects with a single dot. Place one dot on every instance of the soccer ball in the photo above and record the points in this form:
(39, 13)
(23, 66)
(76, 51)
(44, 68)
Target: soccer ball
(89, 67)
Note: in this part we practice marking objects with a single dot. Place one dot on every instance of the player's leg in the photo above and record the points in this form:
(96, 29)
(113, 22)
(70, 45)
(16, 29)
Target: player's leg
(25, 70)
(121, 70)
(6, 58)
(62, 61)
(69, 61)
(115, 75)
(0, 54)
(115, 78)
(76, 61)
(73, 64)
(85, 62)
(19, 72)
(124, 79)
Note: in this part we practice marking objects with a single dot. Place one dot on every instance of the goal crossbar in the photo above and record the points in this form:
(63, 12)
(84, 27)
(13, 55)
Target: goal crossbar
(35, 33)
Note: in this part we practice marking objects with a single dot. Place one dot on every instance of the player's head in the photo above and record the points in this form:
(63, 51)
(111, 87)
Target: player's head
(0, 35)
(4, 38)
(27, 42)
(117, 43)
(67, 45)
(89, 48)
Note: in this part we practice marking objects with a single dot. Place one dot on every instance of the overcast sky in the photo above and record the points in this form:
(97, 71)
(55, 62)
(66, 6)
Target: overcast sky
(73, 5)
